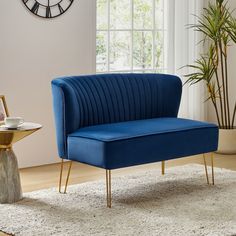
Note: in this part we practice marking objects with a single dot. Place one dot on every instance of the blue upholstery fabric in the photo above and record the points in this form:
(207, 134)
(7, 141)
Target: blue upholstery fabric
(83, 101)
(120, 120)
(129, 143)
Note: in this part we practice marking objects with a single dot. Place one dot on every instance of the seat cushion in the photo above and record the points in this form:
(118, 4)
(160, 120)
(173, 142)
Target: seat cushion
(124, 144)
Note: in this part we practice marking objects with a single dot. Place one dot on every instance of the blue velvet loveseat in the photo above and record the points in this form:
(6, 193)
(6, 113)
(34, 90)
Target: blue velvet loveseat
(120, 120)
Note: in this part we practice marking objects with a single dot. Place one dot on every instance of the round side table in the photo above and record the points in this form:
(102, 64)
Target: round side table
(10, 185)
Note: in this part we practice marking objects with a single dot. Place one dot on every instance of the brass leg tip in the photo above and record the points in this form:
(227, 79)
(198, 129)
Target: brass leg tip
(67, 178)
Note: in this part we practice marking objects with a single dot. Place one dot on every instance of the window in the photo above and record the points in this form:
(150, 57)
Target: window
(131, 36)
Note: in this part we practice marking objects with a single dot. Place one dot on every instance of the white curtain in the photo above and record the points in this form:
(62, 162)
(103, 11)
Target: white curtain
(183, 49)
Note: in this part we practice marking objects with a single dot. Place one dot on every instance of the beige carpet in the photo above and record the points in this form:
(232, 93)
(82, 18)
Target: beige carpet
(177, 204)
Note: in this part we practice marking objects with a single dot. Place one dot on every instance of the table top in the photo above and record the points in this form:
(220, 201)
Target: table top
(27, 126)
(11, 136)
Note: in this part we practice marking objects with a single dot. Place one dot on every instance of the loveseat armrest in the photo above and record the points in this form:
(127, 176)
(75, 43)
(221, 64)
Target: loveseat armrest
(65, 113)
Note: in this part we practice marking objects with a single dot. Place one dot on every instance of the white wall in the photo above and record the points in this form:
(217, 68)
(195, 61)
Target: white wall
(232, 73)
(33, 51)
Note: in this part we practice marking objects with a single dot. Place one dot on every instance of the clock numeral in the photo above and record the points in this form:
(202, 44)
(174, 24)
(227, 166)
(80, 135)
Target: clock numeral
(48, 8)
(61, 9)
(35, 8)
(48, 12)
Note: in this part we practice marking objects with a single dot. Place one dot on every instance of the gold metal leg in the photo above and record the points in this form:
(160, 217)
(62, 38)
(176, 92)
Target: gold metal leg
(204, 158)
(62, 162)
(108, 187)
(67, 178)
(212, 169)
(163, 167)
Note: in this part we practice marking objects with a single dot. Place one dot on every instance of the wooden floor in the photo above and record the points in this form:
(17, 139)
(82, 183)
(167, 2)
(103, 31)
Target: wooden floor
(47, 176)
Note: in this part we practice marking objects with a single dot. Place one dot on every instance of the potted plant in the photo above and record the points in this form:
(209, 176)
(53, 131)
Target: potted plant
(218, 27)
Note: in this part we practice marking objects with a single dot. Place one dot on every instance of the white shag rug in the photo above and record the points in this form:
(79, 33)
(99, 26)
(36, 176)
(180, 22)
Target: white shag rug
(146, 203)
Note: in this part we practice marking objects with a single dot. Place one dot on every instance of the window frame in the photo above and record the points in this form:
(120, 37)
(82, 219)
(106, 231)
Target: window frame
(132, 30)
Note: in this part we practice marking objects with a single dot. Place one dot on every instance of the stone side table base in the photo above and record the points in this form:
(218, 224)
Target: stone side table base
(10, 186)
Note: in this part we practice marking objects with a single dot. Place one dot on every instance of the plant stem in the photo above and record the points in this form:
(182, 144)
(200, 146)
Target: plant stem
(234, 113)
(217, 112)
(227, 89)
(218, 83)
(223, 81)
(221, 105)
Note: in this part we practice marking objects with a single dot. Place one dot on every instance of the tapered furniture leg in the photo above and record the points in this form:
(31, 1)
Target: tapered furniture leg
(204, 159)
(163, 167)
(67, 178)
(108, 187)
(61, 172)
(212, 169)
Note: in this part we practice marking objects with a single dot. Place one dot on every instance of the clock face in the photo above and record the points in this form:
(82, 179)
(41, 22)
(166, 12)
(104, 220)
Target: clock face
(48, 8)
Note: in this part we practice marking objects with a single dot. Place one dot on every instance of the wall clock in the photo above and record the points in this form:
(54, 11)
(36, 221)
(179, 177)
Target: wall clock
(48, 8)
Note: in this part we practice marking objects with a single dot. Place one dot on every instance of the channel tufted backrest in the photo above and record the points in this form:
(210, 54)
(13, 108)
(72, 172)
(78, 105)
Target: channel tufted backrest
(81, 101)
